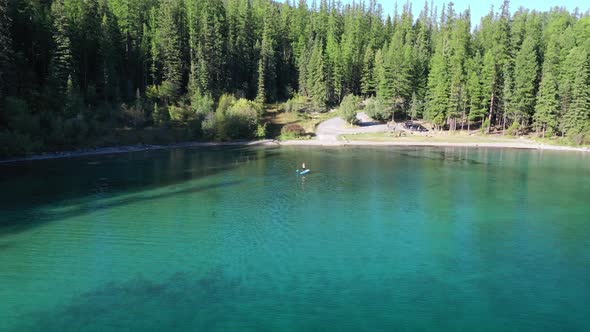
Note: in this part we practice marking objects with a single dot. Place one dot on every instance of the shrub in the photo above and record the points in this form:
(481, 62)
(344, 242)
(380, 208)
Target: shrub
(179, 113)
(513, 129)
(209, 126)
(201, 105)
(485, 125)
(75, 130)
(152, 93)
(348, 108)
(261, 130)
(225, 102)
(296, 104)
(241, 120)
(19, 117)
(168, 90)
(16, 144)
(292, 131)
(579, 136)
(133, 116)
(158, 116)
(378, 110)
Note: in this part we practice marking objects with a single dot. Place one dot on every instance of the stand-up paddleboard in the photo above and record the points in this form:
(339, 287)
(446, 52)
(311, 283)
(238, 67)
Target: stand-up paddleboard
(303, 172)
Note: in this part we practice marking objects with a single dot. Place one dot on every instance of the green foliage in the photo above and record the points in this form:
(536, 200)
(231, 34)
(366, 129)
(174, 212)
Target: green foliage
(547, 104)
(297, 104)
(17, 144)
(378, 110)
(182, 113)
(241, 119)
(6, 52)
(209, 126)
(158, 115)
(19, 118)
(201, 105)
(133, 115)
(485, 125)
(525, 83)
(514, 129)
(261, 130)
(576, 120)
(348, 108)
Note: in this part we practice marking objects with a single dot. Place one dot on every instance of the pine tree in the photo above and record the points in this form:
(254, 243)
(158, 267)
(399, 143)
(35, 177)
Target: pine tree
(525, 81)
(438, 88)
(317, 83)
(545, 118)
(489, 84)
(367, 80)
(5, 49)
(169, 37)
(211, 50)
(266, 63)
(576, 119)
(61, 60)
(474, 91)
(110, 55)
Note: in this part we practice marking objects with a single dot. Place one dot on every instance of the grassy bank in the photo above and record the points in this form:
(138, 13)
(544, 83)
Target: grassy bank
(277, 119)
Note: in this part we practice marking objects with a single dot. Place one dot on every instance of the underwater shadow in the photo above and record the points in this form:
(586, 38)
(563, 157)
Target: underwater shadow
(184, 301)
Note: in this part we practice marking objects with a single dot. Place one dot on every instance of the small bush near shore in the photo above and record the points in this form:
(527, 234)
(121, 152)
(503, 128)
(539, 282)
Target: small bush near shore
(348, 108)
(378, 110)
(292, 131)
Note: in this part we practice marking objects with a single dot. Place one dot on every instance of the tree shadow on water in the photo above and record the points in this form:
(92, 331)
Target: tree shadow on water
(30, 191)
(38, 218)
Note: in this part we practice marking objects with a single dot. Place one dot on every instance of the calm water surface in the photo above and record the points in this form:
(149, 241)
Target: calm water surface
(231, 239)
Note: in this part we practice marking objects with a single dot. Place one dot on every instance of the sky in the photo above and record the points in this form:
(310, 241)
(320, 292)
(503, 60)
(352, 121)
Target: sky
(480, 8)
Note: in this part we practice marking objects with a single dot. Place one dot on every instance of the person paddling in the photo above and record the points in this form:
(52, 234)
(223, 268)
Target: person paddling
(303, 168)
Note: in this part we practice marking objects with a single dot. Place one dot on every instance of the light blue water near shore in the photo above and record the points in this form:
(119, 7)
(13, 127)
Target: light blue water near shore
(231, 239)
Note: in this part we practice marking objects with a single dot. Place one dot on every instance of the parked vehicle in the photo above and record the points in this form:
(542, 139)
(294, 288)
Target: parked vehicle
(409, 125)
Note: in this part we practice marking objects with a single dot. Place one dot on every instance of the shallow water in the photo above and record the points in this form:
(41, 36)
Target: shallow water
(231, 239)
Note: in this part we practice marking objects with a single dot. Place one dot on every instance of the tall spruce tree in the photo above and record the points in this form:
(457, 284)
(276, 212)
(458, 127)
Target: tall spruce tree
(5, 49)
(525, 81)
(576, 120)
(171, 47)
(545, 118)
(61, 60)
(266, 63)
(317, 79)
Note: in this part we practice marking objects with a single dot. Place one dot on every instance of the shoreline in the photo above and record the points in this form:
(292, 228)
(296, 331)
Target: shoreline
(131, 148)
(270, 142)
(502, 145)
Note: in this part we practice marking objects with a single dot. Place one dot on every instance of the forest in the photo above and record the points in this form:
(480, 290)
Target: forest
(72, 72)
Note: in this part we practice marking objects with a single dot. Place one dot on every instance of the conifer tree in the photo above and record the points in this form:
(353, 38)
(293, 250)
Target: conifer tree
(5, 49)
(474, 91)
(61, 60)
(545, 118)
(576, 119)
(367, 80)
(525, 81)
(438, 87)
(317, 83)
(266, 63)
(171, 47)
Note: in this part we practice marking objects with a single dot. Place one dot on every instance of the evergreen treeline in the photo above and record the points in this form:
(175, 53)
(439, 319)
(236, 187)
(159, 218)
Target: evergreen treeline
(74, 69)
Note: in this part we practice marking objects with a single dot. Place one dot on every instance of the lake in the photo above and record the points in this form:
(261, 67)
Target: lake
(232, 239)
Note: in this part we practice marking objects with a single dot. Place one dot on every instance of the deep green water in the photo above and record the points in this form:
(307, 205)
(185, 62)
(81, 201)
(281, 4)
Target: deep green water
(230, 239)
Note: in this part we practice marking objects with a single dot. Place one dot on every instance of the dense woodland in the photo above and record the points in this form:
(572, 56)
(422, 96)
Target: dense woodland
(74, 70)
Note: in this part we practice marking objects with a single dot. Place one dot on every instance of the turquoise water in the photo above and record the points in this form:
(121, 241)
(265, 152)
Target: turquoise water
(231, 239)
